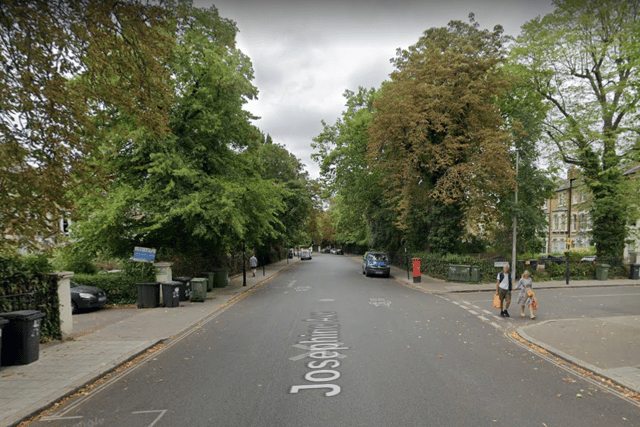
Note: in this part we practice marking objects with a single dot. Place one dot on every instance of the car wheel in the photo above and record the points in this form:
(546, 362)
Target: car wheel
(74, 307)
(366, 272)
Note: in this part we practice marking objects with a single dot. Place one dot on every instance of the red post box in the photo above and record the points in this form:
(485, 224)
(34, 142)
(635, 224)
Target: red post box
(417, 277)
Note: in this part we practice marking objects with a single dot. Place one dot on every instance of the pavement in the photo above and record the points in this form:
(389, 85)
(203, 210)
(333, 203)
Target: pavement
(107, 339)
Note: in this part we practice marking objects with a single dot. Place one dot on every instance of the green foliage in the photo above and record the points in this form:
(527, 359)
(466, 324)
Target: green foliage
(140, 271)
(64, 65)
(583, 62)
(212, 181)
(26, 284)
(70, 259)
(438, 138)
(120, 288)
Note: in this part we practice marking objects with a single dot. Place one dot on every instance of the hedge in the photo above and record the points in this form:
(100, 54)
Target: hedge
(438, 266)
(26, 283)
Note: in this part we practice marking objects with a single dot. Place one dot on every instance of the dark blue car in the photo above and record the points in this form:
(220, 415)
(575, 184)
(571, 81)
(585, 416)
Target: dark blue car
(376, 263)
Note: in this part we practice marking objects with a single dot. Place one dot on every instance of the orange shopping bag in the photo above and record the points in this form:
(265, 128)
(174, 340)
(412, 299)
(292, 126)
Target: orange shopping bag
(496, 301)
(535, 303)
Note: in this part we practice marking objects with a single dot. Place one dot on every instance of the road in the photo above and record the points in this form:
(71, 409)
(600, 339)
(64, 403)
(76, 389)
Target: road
(321, 345)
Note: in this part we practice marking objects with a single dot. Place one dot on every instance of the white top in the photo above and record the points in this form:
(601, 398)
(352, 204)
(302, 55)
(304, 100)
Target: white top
(504, 284)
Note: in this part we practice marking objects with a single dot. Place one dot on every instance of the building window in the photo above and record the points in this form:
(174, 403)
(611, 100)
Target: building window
(574, 222)
(556, 223)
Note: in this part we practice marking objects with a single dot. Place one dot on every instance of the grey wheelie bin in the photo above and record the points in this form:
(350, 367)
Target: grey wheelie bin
(21, 337)
(3, 322)
(171, 294)
(148, 294)
(221, 278)
(210, 275)
(185, 287)
(198, 289)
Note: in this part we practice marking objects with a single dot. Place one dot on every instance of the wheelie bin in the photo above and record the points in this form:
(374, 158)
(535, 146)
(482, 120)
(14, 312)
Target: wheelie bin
(21, 337)
(148, 294)
(3, 322)
(198, 289)
(185, 287)
(171, 294)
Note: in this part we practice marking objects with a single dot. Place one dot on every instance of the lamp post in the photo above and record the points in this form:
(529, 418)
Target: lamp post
(515, 223)
(244, 265)
(569, 227)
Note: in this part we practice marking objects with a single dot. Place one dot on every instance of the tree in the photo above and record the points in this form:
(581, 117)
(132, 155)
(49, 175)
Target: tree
(48, 111)
(284, 171)
(583, 60)
(359, 209)
(438, 136)
(199, 187)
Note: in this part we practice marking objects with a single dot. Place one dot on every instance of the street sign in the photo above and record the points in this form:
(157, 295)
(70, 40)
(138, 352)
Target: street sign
(500, 263)
(144, 254)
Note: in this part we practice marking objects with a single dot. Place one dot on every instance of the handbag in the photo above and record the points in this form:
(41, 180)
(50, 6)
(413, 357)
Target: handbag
(496, 301)
(535, 303)
(530, 293)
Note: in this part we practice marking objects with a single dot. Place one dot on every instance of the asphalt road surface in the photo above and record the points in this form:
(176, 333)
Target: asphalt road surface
(321, 345)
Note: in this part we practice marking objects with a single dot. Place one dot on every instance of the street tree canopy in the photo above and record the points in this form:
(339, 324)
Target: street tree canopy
(583, 60)
(438, 135)
(48, 113)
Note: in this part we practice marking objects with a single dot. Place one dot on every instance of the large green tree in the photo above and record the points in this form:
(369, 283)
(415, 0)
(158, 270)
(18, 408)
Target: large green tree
(438, 136)
(583, 59)
(199, 187)
(47, 113)
(359, 209)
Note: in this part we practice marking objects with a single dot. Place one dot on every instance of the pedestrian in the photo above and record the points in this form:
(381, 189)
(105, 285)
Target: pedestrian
(525, 297)
(253, 262)
(503, 290)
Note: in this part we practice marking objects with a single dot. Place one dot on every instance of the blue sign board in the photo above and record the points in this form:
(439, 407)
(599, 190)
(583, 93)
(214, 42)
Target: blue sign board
(144, 254)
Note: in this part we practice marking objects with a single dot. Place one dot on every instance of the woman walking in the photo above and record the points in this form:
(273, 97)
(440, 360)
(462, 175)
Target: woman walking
(525, 297)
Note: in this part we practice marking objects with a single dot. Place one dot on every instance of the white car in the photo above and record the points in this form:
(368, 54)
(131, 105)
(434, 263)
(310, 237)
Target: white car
(305, 254)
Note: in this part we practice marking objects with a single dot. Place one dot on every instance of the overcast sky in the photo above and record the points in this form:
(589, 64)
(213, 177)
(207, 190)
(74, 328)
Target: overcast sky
(305, 53)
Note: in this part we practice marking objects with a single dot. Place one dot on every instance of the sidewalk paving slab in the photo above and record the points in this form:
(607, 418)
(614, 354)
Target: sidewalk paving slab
(65, 367)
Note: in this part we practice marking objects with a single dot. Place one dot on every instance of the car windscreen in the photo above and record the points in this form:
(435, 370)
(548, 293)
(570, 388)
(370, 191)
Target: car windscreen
(379, 257)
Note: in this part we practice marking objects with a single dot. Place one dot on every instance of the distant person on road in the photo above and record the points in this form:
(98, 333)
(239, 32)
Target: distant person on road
(253, 262)
(503, 290)
(525, 297)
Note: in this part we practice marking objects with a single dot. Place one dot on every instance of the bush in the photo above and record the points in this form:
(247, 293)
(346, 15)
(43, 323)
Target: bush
(26, 284)
(120, 289)
(70, 259)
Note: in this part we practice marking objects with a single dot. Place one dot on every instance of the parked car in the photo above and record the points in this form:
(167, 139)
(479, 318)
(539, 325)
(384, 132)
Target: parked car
(83, 297)
(376, 263)
(551, 258)
(305, 254)
(591, 259)
(339, 252)
(332, 251)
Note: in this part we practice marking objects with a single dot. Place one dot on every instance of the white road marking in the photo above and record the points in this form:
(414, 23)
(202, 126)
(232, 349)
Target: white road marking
(326, 300)
(483, 318)
(59, 418)
(455, 302)
(487, 312)
(162, 412)
(473, 312)
(291, 283)
(496, 325)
